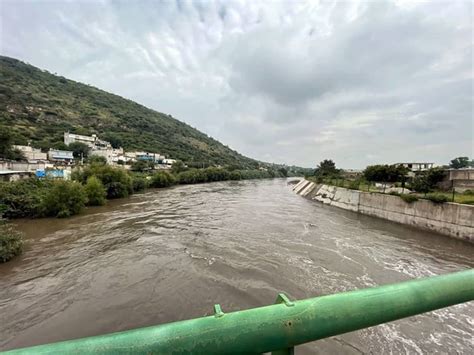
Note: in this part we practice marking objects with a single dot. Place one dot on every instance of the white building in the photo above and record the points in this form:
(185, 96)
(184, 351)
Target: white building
(31, 154)
(60, 156)
(417, 166)
(92, 141)
(169, 161)
(110, 154)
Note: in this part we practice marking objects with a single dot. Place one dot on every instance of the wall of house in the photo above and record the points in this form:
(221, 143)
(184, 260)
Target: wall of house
(451, 219)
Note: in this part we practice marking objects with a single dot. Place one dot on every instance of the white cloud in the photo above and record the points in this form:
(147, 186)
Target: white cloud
(294, 82)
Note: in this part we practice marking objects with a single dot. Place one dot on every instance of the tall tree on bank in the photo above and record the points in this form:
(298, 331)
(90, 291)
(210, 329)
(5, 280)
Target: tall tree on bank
(6, 148)
(460, 162)
(326, 168)
(79, 150)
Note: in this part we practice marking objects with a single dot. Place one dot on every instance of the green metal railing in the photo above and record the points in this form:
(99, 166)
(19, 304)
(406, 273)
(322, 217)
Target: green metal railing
(281, 326)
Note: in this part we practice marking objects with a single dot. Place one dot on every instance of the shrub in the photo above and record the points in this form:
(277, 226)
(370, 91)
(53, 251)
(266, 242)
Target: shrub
(420, 184)
(22, 198)
(192, 176)
(141, 165)
(95, 191)
(97, 159)
(63, 199)
(11, 242)
(117, 181)
(354, 185)
(139, 183)
(468, 192)
(235, 175)
(162, 179)
(437, 198)
(408, 198)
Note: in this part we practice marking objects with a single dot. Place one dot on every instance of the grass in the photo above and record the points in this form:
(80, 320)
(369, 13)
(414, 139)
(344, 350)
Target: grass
(466, 198)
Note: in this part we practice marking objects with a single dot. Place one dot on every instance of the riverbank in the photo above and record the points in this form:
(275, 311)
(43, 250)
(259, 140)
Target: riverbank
(450, 219)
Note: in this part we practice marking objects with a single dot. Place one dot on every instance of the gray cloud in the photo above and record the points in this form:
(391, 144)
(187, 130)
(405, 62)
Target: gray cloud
(294, 82)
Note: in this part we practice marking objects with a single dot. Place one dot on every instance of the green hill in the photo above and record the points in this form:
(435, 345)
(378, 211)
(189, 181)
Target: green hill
(38, 107)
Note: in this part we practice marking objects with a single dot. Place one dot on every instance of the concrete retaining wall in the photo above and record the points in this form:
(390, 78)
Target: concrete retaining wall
(452, 219)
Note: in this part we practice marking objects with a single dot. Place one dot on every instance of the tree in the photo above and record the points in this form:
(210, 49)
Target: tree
(426, 181)
(114, 140)
(11, 242)
(56, 145)
(141, 165)
(434, 176)
(6, 148)
(95, 191)
(5, 142)
(117, 182)
(327, 168)
(460, 162)
(283, 172)
(64, 199)
(97, 160)
(385, 173)
(162, 179)
(177, 167)
(79, 150)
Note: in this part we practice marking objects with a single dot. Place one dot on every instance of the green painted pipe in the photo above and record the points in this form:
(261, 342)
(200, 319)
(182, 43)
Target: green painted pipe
(279, 326)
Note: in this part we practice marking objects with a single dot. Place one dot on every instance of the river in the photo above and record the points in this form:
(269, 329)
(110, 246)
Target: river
(171, 254)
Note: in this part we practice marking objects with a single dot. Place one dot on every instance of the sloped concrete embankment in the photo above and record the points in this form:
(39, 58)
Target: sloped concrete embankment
(451, 219)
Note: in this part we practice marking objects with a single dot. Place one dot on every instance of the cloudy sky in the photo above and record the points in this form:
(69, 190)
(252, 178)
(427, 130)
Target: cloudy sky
(289, 81)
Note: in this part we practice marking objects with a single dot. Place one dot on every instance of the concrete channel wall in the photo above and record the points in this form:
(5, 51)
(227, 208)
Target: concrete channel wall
(451, 219)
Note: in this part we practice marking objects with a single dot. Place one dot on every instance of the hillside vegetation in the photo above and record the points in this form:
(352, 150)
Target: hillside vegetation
(38, 107)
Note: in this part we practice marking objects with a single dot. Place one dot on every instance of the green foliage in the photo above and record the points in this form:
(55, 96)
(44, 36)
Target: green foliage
(63, 199)
(6, 149)
(354, 184)
(408, 198)
(434, 176)
(95, 191)
(114, 139)
(178, 167)
(468, 192)
(420, 184)
(79, 149)
(139, 183)
(97, 160)
(437, 198)
(327, 168)
(55, 145)
(283, 172)
(22, 198)
(460, 162)
(117, 181)
(162, 179)
(235, 175)
(385, 173)
(11, 242)
(141, 165)
(56, 105)
(426, 181)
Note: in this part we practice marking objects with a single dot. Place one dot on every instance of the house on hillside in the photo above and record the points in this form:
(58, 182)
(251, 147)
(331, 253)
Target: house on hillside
(14, 175)
(31, 154)
(414, 167)
(61, 156)
(92, 141)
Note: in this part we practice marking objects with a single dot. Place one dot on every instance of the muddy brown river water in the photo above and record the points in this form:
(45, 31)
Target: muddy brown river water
(171, 254)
